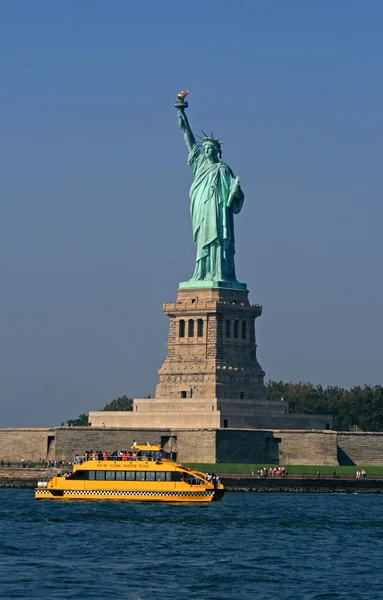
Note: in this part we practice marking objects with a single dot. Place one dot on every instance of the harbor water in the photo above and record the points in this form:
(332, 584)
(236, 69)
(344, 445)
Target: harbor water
(249, 546)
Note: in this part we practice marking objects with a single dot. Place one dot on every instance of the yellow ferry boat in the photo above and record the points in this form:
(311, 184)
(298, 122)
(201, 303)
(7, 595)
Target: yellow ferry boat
(146, 473)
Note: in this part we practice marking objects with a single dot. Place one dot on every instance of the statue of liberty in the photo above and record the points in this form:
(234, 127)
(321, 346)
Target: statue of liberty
(215, 196)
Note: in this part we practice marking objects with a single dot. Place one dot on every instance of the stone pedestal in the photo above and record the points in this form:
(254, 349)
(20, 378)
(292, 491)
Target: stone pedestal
(211, 347)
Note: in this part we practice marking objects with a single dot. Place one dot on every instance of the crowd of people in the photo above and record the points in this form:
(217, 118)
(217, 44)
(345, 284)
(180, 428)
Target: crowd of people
(115, 455)
(272, 472)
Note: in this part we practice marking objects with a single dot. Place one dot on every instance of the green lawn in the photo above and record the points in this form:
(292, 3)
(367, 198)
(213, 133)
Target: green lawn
(222, 468)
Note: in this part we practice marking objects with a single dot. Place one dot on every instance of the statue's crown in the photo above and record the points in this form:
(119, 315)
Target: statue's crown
(210, 139)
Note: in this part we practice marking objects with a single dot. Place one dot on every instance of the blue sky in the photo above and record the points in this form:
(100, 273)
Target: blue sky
(95, 230)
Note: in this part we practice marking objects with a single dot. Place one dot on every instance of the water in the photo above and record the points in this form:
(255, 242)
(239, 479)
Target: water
(249, 546)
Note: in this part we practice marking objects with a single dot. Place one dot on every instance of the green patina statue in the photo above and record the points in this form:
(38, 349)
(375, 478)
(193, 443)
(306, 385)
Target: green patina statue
(215, 196)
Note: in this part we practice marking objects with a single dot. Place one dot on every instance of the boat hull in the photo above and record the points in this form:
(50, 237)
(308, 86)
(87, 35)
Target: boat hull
(129, 496)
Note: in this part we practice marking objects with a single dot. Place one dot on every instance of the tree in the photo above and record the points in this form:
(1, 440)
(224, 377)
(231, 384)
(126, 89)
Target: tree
(360, 407)
(120, 403)
(81, 421)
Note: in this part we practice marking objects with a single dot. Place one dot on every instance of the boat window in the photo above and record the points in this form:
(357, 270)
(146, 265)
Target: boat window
(77, 475)
(130, 475)
(196, 481)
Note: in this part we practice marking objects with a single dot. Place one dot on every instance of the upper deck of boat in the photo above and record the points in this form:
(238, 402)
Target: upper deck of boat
(142, 457)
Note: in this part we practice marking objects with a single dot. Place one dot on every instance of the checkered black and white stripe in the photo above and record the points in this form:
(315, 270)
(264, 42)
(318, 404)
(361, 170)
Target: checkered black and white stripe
(135, 493)
(130, 493)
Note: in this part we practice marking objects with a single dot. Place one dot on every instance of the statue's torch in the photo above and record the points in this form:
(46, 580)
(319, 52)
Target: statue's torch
(180, 104)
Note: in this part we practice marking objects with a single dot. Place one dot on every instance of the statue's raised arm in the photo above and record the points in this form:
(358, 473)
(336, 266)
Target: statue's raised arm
(183, 122)
(184, 125)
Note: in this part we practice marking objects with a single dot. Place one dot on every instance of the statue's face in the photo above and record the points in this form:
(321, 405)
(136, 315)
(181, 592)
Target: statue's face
(211, 152)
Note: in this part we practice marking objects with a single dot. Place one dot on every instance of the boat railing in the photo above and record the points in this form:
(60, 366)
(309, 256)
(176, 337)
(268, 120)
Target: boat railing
(79, 460)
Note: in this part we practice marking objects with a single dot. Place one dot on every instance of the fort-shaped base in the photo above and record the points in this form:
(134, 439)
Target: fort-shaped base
(213, 413)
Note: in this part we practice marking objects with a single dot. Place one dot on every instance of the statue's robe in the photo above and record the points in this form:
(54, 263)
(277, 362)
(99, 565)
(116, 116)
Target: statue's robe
(212, 205)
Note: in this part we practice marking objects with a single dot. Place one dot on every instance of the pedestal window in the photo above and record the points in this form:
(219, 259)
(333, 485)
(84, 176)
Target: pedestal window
(199, 328)
(181, 328)
(190, 328)
(228, 328)
(236, 327)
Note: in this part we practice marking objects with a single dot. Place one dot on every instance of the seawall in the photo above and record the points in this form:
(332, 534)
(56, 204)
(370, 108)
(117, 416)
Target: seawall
(25, 477)
(290, 484)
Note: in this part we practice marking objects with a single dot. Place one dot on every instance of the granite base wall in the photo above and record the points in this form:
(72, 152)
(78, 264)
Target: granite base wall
(277, 421)
(208, 445)
(307, 447)
(360, 448)
(27, 444)
(201, 445)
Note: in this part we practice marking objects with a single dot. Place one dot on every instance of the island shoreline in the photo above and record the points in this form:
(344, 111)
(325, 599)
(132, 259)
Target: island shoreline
(27, 478)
